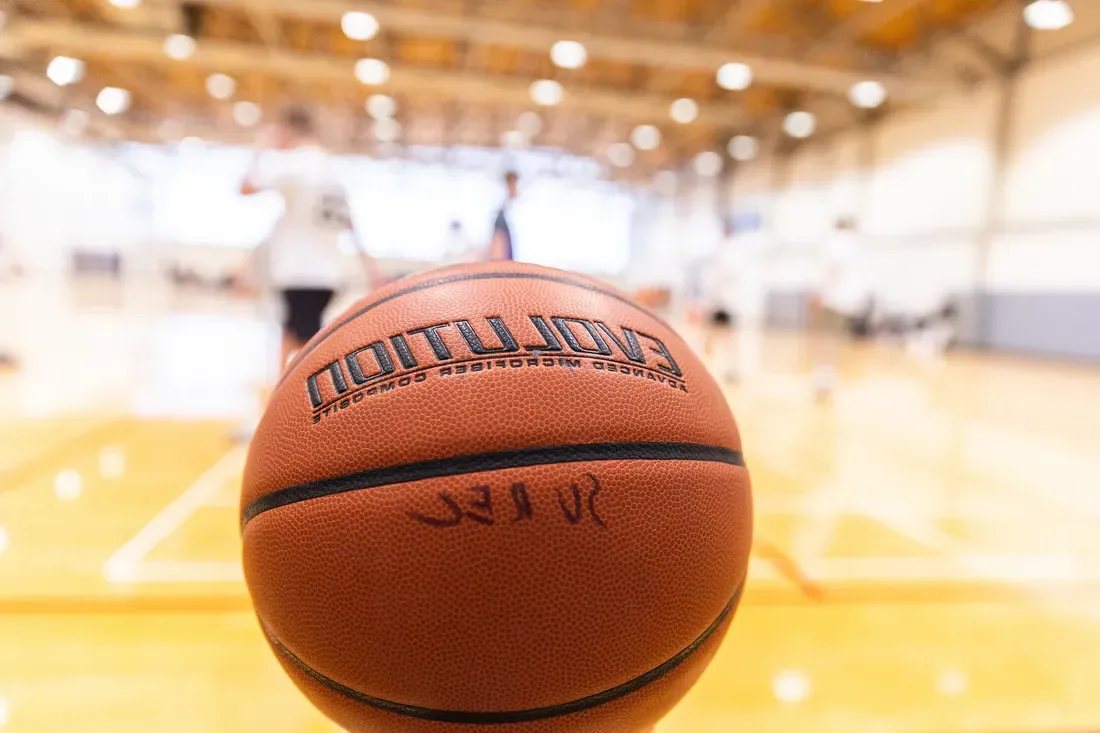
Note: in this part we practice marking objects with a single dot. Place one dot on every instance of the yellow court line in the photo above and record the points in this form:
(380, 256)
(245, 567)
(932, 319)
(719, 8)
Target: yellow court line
(122, 566)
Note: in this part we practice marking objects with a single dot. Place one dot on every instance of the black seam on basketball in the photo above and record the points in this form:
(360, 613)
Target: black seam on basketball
(514, 716)
(324, 335)
(479, 462)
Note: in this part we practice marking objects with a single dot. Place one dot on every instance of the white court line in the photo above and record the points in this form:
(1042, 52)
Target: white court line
(122, 567)
(189, 572)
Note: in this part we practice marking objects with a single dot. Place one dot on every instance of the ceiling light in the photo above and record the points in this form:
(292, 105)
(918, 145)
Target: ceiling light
(547, 92)
(6, 85)
(359, 26)
(247, 114)
(569, 54)
(381, 106)
(220, 86)
(112, 100)
(708, 164)
(734, 76)
(372, 71)
(125, 3)
(743, 148)
(684, 111)
(63, 70)
(529, 123)
(179, 47)
(621, 155)
(513, 140)
(386, 130)
(1048, 15)
(867, 94)
(646, 137)
(800, 124)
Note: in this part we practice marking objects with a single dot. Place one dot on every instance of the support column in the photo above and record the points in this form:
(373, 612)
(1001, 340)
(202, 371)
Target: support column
(1004, 127)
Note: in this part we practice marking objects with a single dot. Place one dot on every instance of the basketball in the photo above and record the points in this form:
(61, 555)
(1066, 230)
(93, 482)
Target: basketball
(496, 494)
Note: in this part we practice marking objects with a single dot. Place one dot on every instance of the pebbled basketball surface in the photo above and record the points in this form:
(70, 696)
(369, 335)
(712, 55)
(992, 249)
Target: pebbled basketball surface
(496, 495)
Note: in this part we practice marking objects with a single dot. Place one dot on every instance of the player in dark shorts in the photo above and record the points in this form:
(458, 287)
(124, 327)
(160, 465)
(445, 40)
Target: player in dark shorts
(501, 246)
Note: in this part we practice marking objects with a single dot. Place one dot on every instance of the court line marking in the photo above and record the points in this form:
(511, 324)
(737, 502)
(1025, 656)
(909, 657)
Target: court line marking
(123, 565)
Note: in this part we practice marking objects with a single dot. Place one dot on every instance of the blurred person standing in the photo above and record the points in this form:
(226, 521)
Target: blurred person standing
(501, 245)
(843, 294)
(303, 258)
(735, 293)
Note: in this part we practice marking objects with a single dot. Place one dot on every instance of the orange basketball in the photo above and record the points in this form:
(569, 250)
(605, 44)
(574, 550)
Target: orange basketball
(496, 494)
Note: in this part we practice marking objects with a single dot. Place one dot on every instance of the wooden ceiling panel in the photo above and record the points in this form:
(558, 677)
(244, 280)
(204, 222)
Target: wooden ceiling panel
(422, 51)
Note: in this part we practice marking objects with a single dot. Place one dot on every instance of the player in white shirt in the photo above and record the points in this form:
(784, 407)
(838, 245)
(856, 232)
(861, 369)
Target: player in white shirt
(735, 292)
(304, 260)
(844, 293)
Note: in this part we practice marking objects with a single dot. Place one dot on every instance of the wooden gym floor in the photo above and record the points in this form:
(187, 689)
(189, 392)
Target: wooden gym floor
(927, 557)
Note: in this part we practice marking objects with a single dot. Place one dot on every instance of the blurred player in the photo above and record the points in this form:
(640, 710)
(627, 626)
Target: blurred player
(735, 294)
(500, 247)
(303, 257)
(843, 294)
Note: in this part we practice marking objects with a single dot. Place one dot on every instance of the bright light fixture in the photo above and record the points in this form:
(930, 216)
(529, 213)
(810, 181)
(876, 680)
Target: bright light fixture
(113, 100)
(3, 546)
(547, 92)
(800, 124)
(646, 137)
(708, 164)
(1048, 15)
(734, 76)
(529, 123)
(179, 47)
(621, 155)
(569, 54)
(381, 106)
(684, 111)
(386, 130)
(744, 148)
(125, 3)
(359, 26)
(372, 71)
(247, 114)
(867, 94)
(6, 85)
(64, 70)
(220, 86)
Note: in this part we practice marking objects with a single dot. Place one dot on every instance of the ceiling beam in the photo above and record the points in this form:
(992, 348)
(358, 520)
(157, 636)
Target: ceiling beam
(539, 37)
(862, 22)
(27, 36)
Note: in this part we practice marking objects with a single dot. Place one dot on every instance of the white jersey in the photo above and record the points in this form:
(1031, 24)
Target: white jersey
(844, 284)
(734, 278)
(304, 247)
